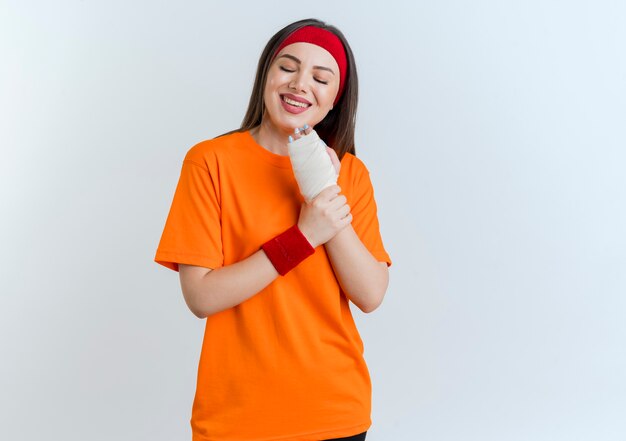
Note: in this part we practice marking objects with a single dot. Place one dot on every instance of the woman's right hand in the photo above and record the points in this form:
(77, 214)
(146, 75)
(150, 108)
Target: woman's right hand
(324, 216)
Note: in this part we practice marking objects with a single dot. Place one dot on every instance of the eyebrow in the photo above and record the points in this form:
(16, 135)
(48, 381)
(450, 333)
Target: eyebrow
(291, 57)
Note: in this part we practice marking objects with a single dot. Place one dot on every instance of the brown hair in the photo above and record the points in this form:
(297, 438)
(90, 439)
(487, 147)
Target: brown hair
(337, 128)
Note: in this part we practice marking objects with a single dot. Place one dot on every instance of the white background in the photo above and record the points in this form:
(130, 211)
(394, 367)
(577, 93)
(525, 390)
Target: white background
(494, 132)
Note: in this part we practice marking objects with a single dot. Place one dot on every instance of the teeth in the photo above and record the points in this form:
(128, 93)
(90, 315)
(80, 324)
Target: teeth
(294, 103)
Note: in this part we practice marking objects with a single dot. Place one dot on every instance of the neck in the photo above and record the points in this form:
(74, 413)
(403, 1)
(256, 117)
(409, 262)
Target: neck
(271, 137)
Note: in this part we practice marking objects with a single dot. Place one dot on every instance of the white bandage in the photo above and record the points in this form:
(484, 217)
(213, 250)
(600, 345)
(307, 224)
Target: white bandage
(312, 166)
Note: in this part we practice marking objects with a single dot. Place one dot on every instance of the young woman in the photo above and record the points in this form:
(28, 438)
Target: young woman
(273, 266)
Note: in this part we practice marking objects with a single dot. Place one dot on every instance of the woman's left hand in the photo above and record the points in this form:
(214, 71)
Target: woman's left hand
(334, 158)
(333, 155)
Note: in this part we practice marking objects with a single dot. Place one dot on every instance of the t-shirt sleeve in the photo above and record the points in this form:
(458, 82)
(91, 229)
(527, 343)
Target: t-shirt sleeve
(192, 233)
(365, 217)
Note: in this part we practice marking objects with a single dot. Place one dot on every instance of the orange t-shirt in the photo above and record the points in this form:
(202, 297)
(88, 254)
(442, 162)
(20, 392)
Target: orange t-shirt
(286, 364)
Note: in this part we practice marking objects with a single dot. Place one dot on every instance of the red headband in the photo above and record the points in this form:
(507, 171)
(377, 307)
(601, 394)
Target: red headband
(326, 40)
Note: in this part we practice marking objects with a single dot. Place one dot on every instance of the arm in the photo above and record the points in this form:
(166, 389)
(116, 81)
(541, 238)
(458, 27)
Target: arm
(360, 275)
(208, 291)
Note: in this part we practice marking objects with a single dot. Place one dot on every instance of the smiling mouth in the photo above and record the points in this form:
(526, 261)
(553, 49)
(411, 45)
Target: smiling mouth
(294, 102)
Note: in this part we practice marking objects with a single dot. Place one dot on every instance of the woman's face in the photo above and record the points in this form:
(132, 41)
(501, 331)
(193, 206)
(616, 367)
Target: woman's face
(301, 85)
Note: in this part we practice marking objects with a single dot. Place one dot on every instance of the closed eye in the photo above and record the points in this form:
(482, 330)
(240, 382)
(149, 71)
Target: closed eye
(284, 69)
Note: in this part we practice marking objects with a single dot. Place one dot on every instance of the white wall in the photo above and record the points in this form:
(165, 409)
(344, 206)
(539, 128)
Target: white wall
(494, 133)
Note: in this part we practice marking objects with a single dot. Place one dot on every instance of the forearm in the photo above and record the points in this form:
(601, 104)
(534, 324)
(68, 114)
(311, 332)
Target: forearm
(360, 275)
(233, 284)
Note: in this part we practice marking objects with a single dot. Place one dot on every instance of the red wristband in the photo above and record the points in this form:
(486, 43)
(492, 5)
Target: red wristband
(288, 249)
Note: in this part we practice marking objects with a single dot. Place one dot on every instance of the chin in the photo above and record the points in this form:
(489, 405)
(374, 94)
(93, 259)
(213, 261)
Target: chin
(287, 122)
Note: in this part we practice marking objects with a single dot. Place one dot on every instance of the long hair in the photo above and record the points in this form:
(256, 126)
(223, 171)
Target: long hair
(337, 128)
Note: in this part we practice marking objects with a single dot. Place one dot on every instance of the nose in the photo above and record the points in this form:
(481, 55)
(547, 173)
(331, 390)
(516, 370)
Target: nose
(297, 83)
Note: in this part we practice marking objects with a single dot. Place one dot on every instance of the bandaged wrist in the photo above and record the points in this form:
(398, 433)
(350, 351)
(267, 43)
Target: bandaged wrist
(288, 249)
(312, 166)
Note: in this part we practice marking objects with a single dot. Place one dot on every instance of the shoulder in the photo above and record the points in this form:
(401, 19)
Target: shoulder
(353, 166)
(208, 151)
